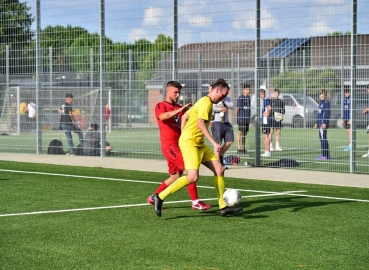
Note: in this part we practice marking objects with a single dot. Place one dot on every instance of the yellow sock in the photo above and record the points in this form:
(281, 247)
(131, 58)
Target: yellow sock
(174, 187)
(220, 188)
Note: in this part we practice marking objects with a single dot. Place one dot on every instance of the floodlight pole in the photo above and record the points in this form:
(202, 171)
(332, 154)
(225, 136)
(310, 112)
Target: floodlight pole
(353, 86)
(38, 78)
(102, 77)
(175, 40)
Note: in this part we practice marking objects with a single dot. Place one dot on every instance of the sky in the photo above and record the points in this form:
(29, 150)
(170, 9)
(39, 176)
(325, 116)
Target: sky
(205, 20)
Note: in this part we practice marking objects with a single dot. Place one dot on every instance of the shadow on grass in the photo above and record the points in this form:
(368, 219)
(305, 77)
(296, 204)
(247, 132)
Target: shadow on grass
(264, 206)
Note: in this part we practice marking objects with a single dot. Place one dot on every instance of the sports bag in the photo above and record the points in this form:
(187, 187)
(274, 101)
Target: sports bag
(55, 147)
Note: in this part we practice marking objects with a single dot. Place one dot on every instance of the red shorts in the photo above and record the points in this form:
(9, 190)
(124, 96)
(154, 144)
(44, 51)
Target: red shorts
(174, 159)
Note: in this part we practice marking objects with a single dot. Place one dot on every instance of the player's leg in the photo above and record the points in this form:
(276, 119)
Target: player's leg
(266, 132)
(68, 134)
(191, 157)
(218, 135)
(210, 161)
(278, 137)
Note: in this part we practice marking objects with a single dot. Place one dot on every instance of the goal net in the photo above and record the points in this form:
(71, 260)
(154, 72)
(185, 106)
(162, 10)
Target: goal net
(18, 115)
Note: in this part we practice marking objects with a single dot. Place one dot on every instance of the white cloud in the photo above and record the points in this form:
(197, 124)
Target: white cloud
(267, 21)
(153, 16)
(199, 21)
(137, 34)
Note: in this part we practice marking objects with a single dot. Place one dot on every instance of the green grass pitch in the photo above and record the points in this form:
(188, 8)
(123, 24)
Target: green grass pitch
(99, 220)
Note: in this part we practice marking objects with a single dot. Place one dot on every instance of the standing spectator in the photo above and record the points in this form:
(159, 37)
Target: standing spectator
(91, 142)
(23, 110)
(324, 113)
(68, 124)
(243, 114)
(194, 124)
(221, 129)
(366, 111)
(346, 119)
(107, 117)
(266, 122)
(31, 115)
(276, 113)
(168, 115)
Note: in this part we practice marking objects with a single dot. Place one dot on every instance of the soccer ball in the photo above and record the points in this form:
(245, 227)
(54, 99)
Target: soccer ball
(232, 197)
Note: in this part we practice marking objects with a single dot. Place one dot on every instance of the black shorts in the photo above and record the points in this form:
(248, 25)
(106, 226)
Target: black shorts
(346, 125)
(265, 129)
(276, 124)
(243, 127)
(222, 131)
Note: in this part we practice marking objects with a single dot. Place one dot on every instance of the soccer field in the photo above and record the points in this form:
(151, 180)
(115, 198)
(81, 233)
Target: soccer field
(61, 217)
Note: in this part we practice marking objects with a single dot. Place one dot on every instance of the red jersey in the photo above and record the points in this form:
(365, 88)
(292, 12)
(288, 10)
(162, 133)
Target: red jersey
(170, 129)
(107, 113)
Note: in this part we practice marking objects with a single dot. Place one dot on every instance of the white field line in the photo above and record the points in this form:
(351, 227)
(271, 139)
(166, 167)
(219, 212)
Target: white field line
(265, 193)
(134, 205)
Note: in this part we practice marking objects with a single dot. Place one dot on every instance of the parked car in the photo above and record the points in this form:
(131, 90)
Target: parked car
(336, 109)
(295, 108)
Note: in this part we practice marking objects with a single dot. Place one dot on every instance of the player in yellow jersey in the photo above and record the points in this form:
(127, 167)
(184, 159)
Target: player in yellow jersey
(195, 123)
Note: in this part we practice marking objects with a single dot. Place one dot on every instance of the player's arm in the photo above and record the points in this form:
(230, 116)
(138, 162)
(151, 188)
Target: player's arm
(184, 119)
(202, 126)
(228, 103)
(167, 115)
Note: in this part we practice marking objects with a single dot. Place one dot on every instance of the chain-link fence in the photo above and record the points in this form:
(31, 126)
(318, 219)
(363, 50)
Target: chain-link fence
(118, 55)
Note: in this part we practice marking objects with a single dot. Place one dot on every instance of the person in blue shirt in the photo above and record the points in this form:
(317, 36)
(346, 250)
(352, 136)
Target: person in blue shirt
(346, 120)
(324, 113)
(243, 113)
(366, 111)
(266, 122)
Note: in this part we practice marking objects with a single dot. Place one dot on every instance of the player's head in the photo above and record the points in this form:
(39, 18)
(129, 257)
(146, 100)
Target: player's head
(246, 89)
(94, 127)
(347, 91)
(276, 92)
(367, 88)
(322, 94)
(262, 93)
(173, 91)
(219, 90)
(69, 98)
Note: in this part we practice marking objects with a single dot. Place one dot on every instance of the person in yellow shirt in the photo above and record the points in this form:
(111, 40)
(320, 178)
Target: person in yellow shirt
(194, 124)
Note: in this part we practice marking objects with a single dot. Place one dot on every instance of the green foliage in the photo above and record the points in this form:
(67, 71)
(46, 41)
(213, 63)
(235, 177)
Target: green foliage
(292, 80)
(15, 31)
(338, 33)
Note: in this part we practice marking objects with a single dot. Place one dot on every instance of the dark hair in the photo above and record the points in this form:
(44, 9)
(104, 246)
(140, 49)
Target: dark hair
(277, 90)
(69, 96)
(94, 126)
(262, 91)
(246, 86)
(323, 92)
(347, 90)
(220, 83)
(174, 84)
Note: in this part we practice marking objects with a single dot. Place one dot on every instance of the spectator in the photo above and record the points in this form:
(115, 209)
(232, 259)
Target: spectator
(243, 114)
(346, 119)
(266, 122)
(324, 113)
(221, 129)
(276, 114)
(68, 124)
(31, 115)
(91, 142)
(107, 117)
(366, 111)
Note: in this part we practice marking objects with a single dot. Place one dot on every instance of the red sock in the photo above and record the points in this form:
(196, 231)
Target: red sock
(161, 188)
(192, 190)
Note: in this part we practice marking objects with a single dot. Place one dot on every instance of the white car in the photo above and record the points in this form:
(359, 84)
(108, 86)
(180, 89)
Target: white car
(297, 106)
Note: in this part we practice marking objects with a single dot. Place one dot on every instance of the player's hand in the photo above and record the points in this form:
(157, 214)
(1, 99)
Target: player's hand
(185, 107)
(224, 109)
(217, 147)
(342, 123)
(324, 126)
(316, 126)
(365, 111)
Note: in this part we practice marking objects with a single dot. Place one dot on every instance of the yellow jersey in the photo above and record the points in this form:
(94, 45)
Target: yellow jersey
(191, 134)
(23, 108)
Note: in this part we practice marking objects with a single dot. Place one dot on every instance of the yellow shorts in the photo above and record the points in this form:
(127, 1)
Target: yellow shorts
(193, 156)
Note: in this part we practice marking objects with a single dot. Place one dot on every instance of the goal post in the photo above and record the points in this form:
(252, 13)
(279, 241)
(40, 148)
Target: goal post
(16, 116)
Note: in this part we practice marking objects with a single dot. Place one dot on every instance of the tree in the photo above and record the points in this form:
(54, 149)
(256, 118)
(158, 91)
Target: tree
(290, 81)
(15, 31)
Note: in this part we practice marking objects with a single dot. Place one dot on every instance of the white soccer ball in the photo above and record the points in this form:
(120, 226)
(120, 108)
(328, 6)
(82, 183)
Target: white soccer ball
(232, 197)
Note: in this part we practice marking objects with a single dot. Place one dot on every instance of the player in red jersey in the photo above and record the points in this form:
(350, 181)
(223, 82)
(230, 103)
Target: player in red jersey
(168, 114)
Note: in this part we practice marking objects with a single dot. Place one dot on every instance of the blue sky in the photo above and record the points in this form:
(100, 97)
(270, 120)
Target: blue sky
(206, 20)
